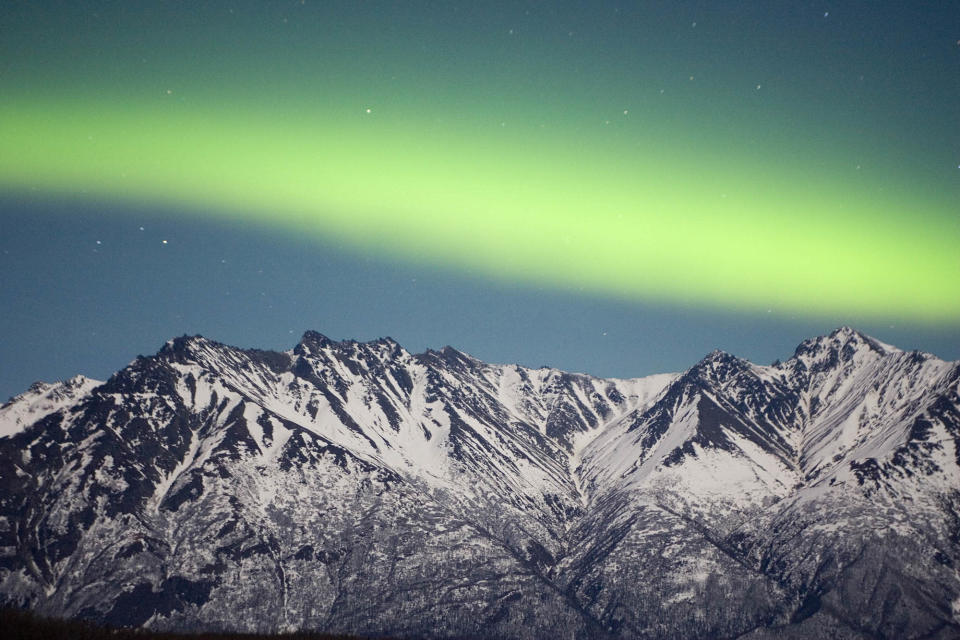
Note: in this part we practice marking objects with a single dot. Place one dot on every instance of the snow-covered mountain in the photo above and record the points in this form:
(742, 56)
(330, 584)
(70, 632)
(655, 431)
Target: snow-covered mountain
(355, 487)
(40, 400)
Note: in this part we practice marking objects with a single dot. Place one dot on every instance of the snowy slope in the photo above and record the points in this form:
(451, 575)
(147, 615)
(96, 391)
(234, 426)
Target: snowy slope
(356, 487)
(41, 400)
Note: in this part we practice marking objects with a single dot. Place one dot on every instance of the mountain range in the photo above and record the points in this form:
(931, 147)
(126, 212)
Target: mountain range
(354, 487)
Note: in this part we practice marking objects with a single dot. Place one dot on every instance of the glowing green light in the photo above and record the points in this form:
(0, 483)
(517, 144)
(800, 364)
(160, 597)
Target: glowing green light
(635, 217)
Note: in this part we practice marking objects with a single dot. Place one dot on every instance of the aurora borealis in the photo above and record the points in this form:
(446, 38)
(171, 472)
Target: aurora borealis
(794, 158)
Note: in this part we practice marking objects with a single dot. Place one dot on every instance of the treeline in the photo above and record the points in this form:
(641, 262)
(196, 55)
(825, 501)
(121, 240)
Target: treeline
(18, 624)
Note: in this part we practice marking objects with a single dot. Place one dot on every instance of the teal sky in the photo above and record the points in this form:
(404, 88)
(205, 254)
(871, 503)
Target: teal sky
(787, 166)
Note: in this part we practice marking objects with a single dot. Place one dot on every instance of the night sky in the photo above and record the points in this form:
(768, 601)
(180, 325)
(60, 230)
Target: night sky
(609, 187)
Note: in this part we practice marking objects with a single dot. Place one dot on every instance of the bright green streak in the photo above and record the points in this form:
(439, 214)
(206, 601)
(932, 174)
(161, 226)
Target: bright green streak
(642, 217)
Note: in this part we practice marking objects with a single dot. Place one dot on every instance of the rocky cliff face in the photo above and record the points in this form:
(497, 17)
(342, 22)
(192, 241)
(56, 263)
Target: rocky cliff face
(355, 487)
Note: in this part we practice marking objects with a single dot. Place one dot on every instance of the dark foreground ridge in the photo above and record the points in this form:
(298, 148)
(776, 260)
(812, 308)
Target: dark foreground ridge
(17, 624)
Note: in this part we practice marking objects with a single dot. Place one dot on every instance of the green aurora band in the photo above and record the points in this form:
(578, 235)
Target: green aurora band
(641, 204)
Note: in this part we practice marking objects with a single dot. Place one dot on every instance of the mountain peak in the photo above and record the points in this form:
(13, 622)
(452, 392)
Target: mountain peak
(449, 357)
(311, 342)
(843, 343)
(387, 344)
(181, 342)
(715, 367)
(718, 357)
(178, 349)
(845, 330)
(40, 400)
(38, 386)
(847, 334)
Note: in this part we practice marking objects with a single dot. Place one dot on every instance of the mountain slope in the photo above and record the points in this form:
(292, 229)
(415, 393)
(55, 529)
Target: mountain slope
(355, 487)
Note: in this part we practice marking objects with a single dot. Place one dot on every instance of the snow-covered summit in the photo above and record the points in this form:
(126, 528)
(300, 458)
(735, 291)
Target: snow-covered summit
(41, 400)
(842, 345)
